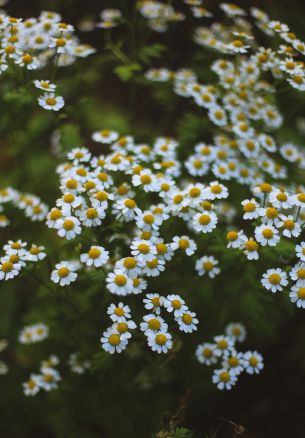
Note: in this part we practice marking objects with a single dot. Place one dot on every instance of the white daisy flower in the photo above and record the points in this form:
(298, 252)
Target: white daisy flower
(154, 302)
(44, 85)
(113, 342)
(49, 101)
(204, 222)
(105, 136)
(267, 234)
(205, 354)
(224, 378)
(64, 273)
(187, 321)
(237, 331)
(253, 362)
(118, 312)
(234, 362)
(160, 342)
(96, 256)
(32, 386)
(152, 324)
(174, 303)
(297, 273)
(297, 296)
(300, 251)
(68, 227)
(223, 344)
(118, 283)
(185, 243)
(49, 379)
(207, 265)
(274, 280)
(144, 250)
(236, 239)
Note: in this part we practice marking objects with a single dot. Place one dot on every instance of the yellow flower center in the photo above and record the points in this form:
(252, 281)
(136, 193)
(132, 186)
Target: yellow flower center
(51, 101)
(267, 233)
(63, 272)
(91, 213)
(7, 267)
(143, 248)
(130, 263)
(184, 243)
(122, 327)
(204, 219)
(224, 377)
(114, 339)
(160, 339)
(120, 280)
(145, 179)
(274, 278)
(187, 319)
(232, 235)
(119, 311)
(68, 225)
(154, 324)
(249, 207)
(94, 253)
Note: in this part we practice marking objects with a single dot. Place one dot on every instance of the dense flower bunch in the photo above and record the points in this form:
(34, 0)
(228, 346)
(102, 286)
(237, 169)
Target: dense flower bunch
(31, 205)
(238, 104)
(31, 44)
(158, 14)
(33, 333)
(16, 256)
(232, 362)
(46, 380)
(277, 214)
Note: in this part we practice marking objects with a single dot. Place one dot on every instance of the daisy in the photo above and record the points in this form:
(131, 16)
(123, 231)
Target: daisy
(187, 322)
(251, 209)
(126, 207)
(118, 312)
(139, 285)
(205, 354)
(123, 326)
(235, 238)
(64, 273)
(154, 302)
(185, 243)
(105, 136)
(32, 386)
(223, 344)
(154, 267)
(267, 234)
(224, 378)
(297, 274)
(49, 379)
(36, 253)
(144, 250)
(237, 331)
(152, 324)
(118, 283)
(96, 256)
(274, 280)
(68, 227)
(253, 362)
(92, 217)
(216, 191)
(297, 296)
(234, 362)
(44, 85)
(160, 342)
(280, 199)
(8, 269)
(51, 102)
(204, 222)
(174, 303)
(207, 265)
(250, 249)
(289, 226)
(113, 342)
(300, 251)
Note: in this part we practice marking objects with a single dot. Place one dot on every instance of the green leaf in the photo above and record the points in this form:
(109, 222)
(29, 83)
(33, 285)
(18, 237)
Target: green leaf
(182, 432)
(153, 51)
(125, 72)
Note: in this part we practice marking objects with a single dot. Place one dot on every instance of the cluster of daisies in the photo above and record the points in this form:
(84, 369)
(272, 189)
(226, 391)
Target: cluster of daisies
(158, 14)
(49, 377)
(31, 334)
(109, 18)
(3, 366)
(238, 103)
(46, 380)
(99, 192)
(231, 362)
(31, 205)
(32, 43)
(16, 256)
(275, 213)
(115, 339)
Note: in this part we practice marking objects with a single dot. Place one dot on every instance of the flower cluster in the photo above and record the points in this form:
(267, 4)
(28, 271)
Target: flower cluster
(277, 215)
(16, 255)
(46, 380)
(33, 333)
(30, 44)
(158, 14)
(31, 205)
(232, 362)
(238, 104)
(77, 364)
